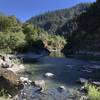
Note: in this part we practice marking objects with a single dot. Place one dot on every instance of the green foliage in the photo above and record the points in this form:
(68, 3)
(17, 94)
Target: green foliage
(93, 92)
(33, 34)
(9, 23)
(11, 41)
(11, 35)
(3, 93)
(54, 42)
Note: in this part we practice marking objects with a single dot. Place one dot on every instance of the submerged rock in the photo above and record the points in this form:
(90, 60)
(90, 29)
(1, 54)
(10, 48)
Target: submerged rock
(58, 93)
(31, 92)
(87, 71)
(69, 66)
(61, 88)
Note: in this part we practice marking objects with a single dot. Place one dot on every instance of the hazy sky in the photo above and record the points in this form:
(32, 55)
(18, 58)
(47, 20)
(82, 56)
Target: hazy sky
(24, 9)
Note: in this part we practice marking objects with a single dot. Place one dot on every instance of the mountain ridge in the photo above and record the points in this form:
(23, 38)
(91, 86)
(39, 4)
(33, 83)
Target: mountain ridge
(52, 21)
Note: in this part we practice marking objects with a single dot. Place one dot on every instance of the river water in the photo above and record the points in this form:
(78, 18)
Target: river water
(67, 70)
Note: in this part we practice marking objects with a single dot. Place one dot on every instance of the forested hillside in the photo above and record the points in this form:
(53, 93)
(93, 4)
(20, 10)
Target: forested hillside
(87, 35)
(53, 21)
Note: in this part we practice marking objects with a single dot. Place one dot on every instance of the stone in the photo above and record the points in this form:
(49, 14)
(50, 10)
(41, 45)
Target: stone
(96, 83)
(39, 83)
(24, 79)
(82, 81)
(16, 68)
(61, 88)
(8, 81)
(9, 96)
(84, 98)
(21, 67)
(83, 89)
(5, 65)
(49, 75)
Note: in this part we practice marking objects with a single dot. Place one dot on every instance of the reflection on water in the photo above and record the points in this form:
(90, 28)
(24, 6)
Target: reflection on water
(56, 54)
(66, 70)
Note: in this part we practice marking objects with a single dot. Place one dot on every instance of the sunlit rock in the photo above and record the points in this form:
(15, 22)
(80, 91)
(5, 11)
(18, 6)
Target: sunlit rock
(8, 81)
(49, 75)
(24, 79)
(39, 83)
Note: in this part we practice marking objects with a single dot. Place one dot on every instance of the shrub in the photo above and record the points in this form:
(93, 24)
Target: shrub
(93, 92)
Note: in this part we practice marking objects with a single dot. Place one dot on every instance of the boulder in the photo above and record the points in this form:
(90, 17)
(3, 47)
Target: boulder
(82, 81)
(16, 68)
(49, 75)
(5, 65)
(61, 88)
(96, 83)
(24, 79)
(39, 83)
(8, 81)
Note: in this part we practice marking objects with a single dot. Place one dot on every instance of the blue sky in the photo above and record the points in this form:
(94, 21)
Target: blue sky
(24, 9)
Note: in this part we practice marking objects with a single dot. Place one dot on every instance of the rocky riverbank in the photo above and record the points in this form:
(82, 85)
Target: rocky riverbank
(9, 69)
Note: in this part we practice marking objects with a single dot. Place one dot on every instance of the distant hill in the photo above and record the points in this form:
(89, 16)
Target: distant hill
(53, 21)
(2, 14)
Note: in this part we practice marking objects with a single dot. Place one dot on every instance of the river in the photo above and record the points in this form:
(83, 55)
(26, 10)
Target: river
(67, 70)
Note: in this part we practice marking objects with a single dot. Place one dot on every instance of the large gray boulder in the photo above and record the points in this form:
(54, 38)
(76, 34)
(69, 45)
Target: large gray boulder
(9, 81)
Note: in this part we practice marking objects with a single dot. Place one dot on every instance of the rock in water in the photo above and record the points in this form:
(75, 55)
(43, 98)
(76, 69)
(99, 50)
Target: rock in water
(40, 83)
(96, 83)
(49, 75)
(82, 80)
(61, 88)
